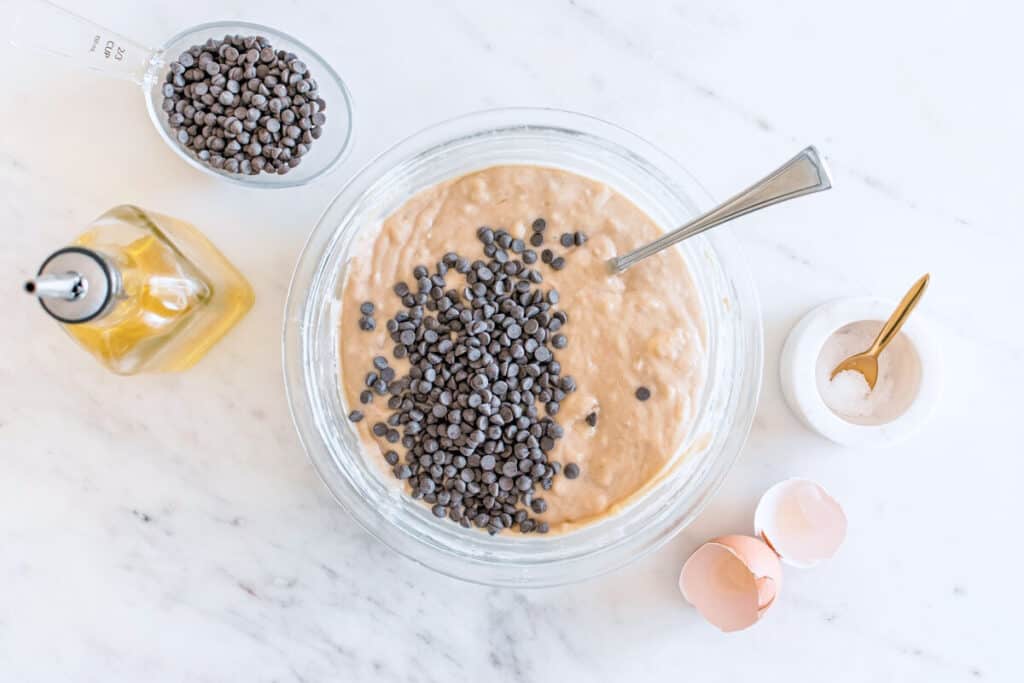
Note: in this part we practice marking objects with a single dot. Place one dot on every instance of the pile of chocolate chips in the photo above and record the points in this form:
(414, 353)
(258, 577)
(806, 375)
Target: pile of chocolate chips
(240, 105)
(476, 410)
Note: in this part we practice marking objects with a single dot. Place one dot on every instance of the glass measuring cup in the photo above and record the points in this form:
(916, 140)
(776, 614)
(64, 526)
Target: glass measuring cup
(44, 26)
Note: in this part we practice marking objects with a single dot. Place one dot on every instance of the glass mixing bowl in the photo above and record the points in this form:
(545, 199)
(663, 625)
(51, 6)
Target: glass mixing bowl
(312, 339)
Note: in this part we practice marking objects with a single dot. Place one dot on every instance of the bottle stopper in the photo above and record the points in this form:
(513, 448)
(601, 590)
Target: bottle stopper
(75, 285)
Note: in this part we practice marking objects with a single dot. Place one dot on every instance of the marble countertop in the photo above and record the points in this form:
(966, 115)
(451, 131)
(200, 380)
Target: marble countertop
(170, 528)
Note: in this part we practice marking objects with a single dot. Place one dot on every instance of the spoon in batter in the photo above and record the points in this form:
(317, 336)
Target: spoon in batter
(804, 174)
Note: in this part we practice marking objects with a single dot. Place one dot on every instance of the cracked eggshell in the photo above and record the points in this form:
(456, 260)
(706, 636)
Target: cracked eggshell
(732, 581)
(801, 522)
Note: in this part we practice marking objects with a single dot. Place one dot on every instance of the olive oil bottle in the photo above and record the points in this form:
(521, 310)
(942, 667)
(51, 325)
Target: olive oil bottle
(142, 292)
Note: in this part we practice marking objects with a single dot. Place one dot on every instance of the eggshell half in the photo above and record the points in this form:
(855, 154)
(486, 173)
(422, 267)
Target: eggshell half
(801, 522)
(732, 581)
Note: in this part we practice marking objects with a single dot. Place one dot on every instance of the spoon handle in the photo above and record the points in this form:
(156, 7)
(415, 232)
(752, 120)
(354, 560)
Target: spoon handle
(895, 322)
(43, 26)
(805, 173)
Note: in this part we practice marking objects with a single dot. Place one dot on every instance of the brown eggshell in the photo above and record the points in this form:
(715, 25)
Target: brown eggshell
(732, 581)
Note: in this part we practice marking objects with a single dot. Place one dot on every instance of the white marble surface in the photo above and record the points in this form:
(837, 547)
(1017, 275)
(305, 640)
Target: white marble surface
(171, 529)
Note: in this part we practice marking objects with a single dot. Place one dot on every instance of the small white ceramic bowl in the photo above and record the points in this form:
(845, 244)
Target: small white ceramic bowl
(799, 360)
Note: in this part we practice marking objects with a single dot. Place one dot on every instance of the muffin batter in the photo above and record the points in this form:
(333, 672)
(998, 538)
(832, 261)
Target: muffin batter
(642, 328)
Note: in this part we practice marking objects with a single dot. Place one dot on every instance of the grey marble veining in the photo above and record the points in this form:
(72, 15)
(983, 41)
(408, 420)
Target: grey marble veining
(170, 528)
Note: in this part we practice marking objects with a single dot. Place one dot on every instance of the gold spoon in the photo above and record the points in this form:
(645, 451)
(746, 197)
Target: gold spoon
(867, 363)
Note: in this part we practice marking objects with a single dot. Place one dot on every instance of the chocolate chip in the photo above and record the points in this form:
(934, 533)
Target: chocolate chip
(478, 403)
(643, 393)
(539, 225)
(566, 239)
(355, 415)
(571, 471)
(227, 93)
(558, 263)
(592, 419)
(366, 308)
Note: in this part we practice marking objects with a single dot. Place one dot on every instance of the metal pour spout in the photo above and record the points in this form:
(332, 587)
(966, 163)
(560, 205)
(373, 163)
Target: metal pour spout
(76, 285)
(67, 286)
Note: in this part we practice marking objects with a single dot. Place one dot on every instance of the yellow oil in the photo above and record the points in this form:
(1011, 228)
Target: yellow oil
(179, 294)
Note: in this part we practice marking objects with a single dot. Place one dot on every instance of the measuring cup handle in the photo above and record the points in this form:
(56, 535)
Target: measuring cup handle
(43, 26)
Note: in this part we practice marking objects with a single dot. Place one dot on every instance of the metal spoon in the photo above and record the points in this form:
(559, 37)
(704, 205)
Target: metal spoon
(866, 363)
(806, 173)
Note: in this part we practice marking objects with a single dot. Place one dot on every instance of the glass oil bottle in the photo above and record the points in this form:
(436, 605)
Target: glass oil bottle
(142, 292)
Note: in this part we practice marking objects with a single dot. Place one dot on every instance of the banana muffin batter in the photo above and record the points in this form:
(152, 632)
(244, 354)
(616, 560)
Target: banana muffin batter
(636, 341)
